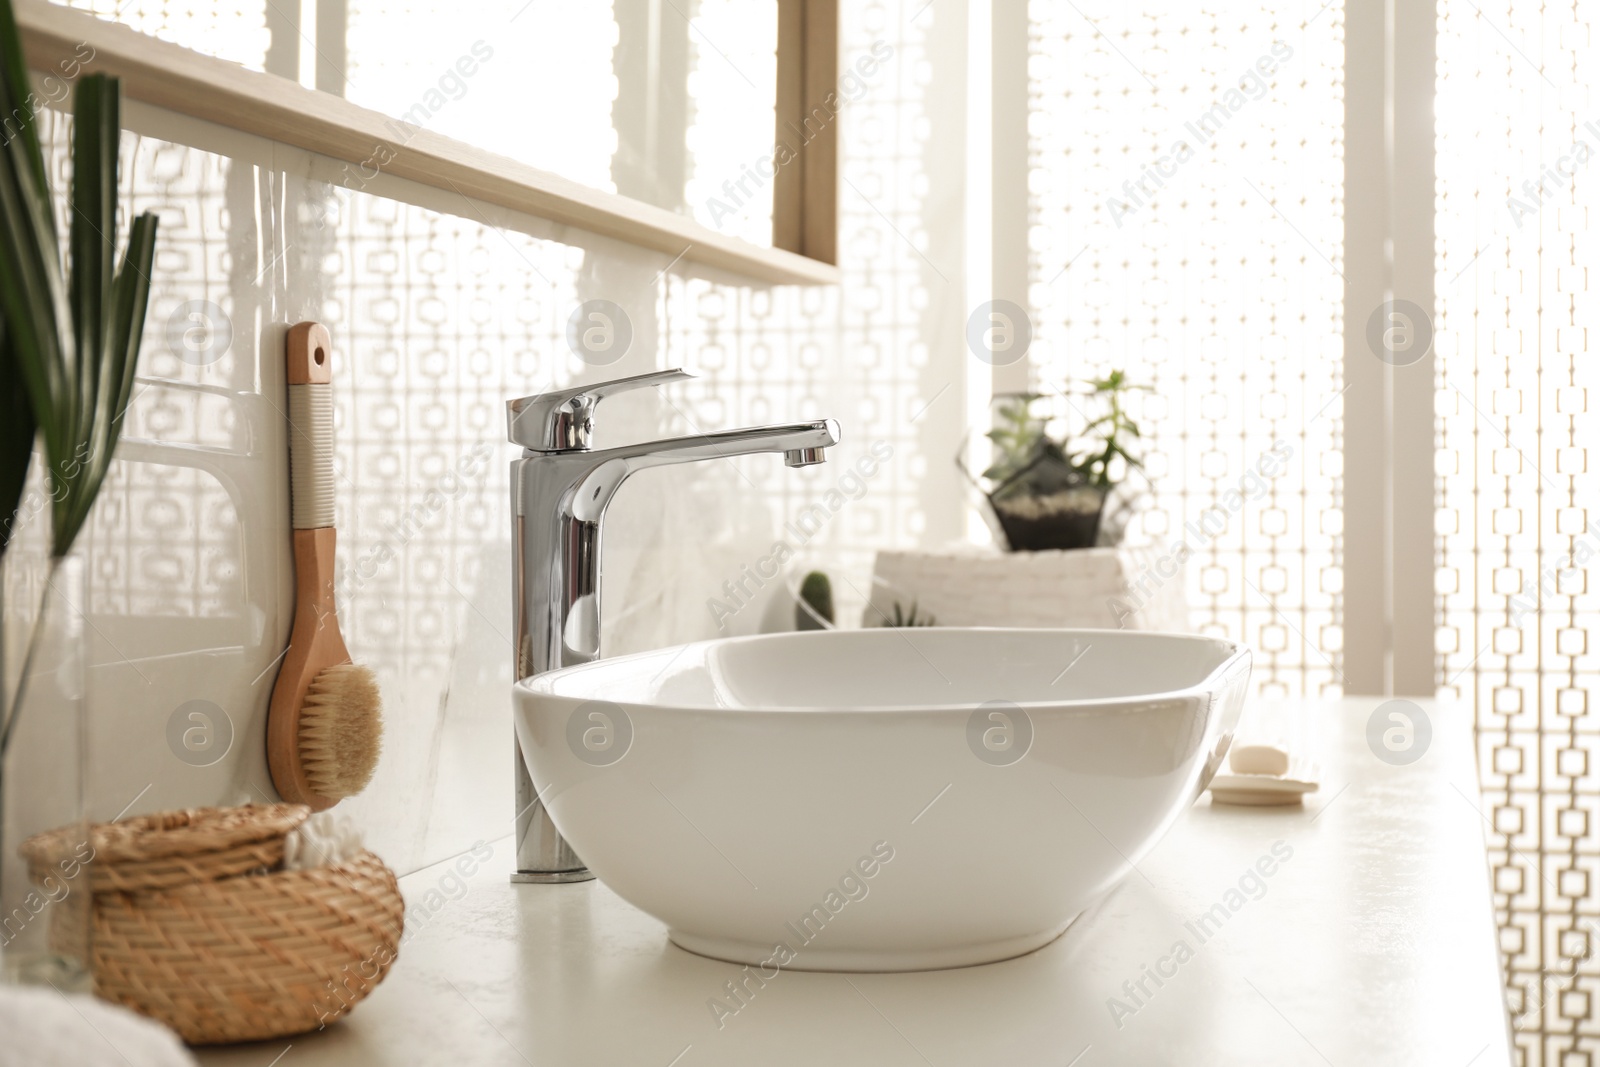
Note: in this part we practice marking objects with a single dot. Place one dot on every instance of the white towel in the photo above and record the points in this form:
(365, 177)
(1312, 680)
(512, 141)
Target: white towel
(324, 840)
(44, 1028)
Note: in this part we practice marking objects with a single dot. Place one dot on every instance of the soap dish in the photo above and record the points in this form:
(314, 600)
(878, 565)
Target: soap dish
(1261, 790)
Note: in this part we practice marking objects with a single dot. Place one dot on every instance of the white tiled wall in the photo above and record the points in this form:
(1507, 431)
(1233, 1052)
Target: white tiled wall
(440, 310)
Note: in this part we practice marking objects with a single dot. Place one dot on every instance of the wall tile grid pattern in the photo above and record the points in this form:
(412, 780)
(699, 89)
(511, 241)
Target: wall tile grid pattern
(1216, 283)
(1516, 429)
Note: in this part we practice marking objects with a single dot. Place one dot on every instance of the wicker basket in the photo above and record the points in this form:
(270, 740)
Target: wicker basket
(193, 939)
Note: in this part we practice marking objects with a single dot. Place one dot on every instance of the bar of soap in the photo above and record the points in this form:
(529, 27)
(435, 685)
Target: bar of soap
(1256, 789)
(1258, 759)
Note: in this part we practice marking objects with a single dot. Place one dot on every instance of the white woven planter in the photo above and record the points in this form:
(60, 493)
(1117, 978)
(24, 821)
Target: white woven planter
(1105, 588)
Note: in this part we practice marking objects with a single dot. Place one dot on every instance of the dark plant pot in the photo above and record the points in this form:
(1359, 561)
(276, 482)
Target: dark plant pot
(1068, 518)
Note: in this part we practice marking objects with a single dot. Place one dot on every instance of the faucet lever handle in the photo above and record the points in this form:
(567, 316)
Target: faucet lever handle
(563, 420)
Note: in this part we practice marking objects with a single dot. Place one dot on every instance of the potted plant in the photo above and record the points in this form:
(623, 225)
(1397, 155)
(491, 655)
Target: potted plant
(1042, 494)
(1060, 506)
(70, 327)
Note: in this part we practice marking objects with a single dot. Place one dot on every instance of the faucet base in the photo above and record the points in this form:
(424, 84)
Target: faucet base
(582, 874)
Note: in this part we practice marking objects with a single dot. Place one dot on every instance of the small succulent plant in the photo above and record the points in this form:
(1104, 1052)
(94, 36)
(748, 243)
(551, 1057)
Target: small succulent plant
(814, 611)
(901, 616)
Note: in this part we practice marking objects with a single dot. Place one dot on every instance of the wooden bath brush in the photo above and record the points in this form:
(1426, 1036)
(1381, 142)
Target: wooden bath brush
(325, 725)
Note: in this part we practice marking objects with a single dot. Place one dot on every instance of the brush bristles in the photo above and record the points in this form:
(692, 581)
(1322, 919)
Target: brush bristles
(341, 730)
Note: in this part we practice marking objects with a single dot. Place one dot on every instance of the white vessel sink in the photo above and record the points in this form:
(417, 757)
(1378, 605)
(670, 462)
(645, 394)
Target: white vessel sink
(878, 800)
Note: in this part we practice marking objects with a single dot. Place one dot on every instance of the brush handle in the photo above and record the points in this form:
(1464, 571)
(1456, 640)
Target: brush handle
(310, 374)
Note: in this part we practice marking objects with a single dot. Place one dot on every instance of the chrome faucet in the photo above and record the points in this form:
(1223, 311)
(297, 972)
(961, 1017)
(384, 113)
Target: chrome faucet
(559, 492)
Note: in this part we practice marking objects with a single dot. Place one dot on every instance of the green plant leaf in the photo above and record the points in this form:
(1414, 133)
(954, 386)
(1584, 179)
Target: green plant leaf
(71, 335)
(92, 228)
(130, 298)
(15, 95)
(110, 307)
(29, 224)
(32, 298)
(16, 439)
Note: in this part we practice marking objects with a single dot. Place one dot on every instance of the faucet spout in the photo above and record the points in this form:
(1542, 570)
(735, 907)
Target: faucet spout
(559, 497)
(608, 469)
(814, 436)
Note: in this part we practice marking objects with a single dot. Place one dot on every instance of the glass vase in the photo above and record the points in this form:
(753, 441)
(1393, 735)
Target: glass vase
(45, 898)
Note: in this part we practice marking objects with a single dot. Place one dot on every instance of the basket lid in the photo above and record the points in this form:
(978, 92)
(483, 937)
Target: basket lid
(165, 834)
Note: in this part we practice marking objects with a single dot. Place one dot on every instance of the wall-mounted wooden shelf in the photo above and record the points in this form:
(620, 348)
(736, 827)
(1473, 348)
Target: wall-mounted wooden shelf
(172, 77)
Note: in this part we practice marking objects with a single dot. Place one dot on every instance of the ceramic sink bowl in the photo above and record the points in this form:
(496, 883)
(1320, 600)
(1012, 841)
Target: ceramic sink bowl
(884, 799)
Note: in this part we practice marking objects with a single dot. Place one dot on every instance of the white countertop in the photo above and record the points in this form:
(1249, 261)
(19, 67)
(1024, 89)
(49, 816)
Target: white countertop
(1371, 942)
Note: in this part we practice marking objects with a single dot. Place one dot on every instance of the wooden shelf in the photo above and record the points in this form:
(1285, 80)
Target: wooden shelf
(172, 77)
